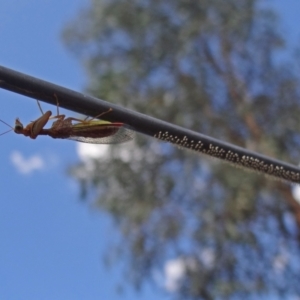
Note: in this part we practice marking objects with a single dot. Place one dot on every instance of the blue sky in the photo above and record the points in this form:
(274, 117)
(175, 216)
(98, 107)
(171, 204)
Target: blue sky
(52, 243)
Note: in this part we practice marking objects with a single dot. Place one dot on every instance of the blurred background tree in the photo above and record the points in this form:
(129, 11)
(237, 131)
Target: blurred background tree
(217, 68)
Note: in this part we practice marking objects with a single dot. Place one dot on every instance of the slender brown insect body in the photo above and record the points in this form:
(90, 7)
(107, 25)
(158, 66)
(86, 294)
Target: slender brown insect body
(88, 131)
(91, 129)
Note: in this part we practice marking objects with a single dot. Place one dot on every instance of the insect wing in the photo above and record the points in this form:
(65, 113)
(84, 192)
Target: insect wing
(102, 134)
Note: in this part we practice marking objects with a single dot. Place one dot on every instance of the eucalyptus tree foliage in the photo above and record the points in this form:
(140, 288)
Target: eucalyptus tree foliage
(216, 67)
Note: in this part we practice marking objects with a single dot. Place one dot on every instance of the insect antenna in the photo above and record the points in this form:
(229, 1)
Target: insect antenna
(6, 132)
(8, 126)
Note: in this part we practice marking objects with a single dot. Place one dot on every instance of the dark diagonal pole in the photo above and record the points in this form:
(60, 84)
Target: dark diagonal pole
(45, 91)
